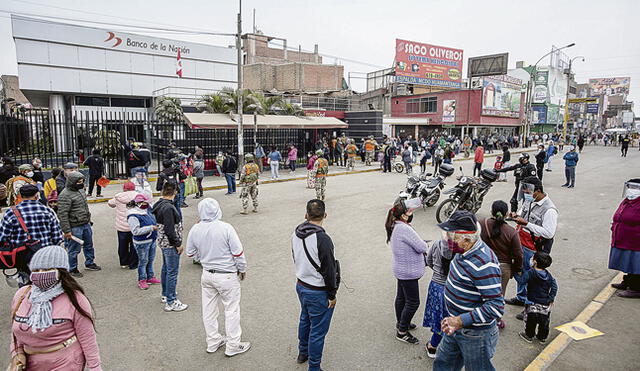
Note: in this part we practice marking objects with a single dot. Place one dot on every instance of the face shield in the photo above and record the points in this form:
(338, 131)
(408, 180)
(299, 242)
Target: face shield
(454, 238)
(631, 190)
(526, 192)
(412, 204)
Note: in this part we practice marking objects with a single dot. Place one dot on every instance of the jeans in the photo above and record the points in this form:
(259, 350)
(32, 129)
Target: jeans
(292, 165)
(570, 174)
(315, 318)
(477, 167)
(274, 169)
(468, 347)
(527, 254)
(200, 189)
(126, 252)
(407, 303)
(84, 233)
(387, 164)
(223, 287)
(94, 181)
(146, 255)
(231, 182)
(179, 199)
(169, 275)
(539, 320)
(447, 161)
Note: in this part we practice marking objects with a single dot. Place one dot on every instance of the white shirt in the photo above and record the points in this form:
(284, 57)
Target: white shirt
(217, 246)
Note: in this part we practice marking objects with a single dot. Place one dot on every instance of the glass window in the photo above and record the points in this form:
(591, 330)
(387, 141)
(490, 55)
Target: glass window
(127, 102)
(92, 101)
(422, 105)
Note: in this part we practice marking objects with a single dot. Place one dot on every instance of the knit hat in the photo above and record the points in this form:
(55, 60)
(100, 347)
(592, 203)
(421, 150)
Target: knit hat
(50, 257)
(70, 165)
(128, 186)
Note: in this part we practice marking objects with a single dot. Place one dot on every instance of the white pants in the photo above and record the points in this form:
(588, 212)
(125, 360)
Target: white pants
(549, 162)
(274, 169)
(503, 176)
(225, 286)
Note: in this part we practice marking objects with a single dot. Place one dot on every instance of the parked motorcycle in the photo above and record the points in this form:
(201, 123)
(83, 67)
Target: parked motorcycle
(468, 194)
(427, 189)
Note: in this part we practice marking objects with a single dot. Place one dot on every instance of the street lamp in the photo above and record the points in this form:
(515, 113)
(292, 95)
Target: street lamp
(529, 100)
(566, 102)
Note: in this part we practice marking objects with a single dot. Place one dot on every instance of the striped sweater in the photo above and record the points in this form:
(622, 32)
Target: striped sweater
(473, 290)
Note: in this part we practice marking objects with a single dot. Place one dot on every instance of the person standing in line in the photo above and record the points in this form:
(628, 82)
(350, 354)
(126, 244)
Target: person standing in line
(407, 158)
(408, 267)
(311, 179)
(340, 145)
(541, 158)
(351, 152)
(274, 162)
(625, 145)
(473, 298)
(504, 240)
(61, 179)
(571, 159)
(14, 184)
(438, 258)
(292, 157)
(126, 251)
(216, 245)
(230, 168)
(552, 150)
(173, 175)
(581, 141)
(506, 161)
(95, 162)
(249, 179)
(320, 172)
(170, 242)
(144, 230)
(38, 177)
(198, 173)
(541, 291)
(75, 220)
(438, 155)
(259, 152)
(426, 155)
(52, 324)
(141, 183)
(478, 160)
(318, 278)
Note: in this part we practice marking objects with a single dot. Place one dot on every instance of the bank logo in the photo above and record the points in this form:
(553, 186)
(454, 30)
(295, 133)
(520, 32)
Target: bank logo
(112, 36)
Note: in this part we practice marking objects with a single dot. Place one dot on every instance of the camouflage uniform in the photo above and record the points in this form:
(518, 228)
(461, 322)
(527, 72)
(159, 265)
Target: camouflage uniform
(321, 169)
(249, 181)
(352, 151)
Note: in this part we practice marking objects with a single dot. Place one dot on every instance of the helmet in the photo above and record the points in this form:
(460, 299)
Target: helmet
(248, 157)
(523, 157)
(319, 152)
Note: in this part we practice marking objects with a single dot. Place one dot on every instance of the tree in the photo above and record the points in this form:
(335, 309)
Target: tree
(291, 109)
(267, 105)
(249, 103)
(168, 108)
(213, 103)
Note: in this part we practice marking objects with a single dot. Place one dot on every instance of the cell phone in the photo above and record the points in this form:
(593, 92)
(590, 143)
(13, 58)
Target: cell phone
(509, 219)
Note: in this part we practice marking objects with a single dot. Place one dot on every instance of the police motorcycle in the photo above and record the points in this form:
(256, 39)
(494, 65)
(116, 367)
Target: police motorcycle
(426, 187)
(468, 194)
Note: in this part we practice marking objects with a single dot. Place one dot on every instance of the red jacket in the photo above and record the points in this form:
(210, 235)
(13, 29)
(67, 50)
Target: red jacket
(479, 155)
(625, 229)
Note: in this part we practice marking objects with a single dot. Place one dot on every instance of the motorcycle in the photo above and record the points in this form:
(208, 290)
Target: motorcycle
(428, 190)
(468, 194)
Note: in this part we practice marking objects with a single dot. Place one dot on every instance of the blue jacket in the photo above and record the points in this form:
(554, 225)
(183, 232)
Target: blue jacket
(550, 151)
(141, 225)
(541, 286)
(570, 159)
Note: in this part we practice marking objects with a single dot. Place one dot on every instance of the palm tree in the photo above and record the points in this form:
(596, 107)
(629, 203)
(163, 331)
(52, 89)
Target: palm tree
(290, 109)
(168, 108)
(249, 103)
(267, 105)
(213, 103)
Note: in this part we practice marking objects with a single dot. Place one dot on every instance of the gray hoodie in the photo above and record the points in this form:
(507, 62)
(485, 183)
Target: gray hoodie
(73, 210)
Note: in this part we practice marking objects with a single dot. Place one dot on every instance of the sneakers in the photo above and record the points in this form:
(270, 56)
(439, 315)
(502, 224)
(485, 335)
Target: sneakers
(407, 338)
(124, 266)
(93, 267)
(76, 273)
(255, 210)
(542, 341)
(163, 299)
(143, 285)
(520, 316)
(244, 212)
(631, 294)
(240, 348)
(153, 281)
(213, 349)
(514, 301)
(302, 358)
(99, 196)
(431, 352)
(524, 337)
(176, 306)
(564, 185)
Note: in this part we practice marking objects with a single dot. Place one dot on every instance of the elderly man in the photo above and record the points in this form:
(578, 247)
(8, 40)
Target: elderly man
(218, 248)
(473, 297)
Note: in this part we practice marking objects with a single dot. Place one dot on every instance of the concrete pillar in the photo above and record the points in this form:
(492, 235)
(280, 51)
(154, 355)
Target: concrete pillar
(58, 117)
(284, 48)
(315, 54)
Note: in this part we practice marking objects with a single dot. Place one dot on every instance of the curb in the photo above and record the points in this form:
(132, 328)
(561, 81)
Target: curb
(212, 188)
(562, 341)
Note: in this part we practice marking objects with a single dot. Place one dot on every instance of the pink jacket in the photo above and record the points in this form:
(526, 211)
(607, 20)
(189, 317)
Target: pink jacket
(119, 202)
(479, 158)
(293, 154)
(83, 351)
(625, 230)
(312, 161)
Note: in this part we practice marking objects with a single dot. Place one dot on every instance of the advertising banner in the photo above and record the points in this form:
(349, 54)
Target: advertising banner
(449, 111)
(501, 96)
(541, 87)
(539, 114)
(592, 107)
(555, 114)
(610, 86)
(425, 64)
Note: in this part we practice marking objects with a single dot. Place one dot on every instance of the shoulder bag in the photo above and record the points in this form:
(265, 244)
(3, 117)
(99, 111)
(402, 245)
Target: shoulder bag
(317, 267)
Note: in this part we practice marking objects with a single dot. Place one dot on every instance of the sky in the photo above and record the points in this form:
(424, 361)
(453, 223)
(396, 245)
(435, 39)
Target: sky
(361, 34)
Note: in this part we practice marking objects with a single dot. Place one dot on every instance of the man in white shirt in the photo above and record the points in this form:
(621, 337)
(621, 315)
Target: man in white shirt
(218, 248)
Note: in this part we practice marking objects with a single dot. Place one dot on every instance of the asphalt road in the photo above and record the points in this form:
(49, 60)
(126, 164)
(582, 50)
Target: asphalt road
(134, 333)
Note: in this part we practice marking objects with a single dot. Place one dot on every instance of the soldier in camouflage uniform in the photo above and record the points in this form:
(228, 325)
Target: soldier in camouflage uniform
(352, 152)
(320, 170)
(249, 181)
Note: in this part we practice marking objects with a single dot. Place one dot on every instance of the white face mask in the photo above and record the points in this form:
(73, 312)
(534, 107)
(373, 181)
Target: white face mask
(30, 174)
(632, 193)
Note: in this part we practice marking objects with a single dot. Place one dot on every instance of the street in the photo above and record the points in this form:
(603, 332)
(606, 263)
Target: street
(134, 333)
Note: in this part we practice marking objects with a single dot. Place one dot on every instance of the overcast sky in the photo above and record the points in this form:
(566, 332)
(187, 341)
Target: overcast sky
(606, 33)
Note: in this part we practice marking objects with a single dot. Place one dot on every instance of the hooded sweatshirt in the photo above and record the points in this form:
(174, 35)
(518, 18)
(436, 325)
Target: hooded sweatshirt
(320, 249)
(73, 210)
(141, 223)
(214, 242)
(169, 224)
(541, 286)
(119, 202)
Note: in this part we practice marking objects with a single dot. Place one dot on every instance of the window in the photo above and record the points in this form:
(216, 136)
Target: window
(422, 105)
(127, 102)
(92, 101)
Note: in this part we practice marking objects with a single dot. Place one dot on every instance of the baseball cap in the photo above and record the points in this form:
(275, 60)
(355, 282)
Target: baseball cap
(460, 220)
(142, 197)
(28, 190)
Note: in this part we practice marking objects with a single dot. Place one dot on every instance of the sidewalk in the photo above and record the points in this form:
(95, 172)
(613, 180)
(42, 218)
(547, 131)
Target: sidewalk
(218, 182)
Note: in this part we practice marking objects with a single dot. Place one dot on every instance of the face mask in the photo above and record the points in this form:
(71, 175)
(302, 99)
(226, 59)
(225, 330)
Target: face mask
(632, 194)
(78, 186)
(451, 243)
(30, 174)
(410, 218)
(45, 280)
(528, 197)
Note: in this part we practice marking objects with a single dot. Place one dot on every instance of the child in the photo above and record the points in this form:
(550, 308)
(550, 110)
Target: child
(497, 166)
(438, 258)
(144, 230)
(541, 290)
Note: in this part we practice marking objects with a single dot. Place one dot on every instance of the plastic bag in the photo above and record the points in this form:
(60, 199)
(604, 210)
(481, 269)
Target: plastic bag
(190, 186)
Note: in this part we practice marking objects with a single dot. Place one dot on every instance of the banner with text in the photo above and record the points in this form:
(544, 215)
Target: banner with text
(425, 64)
(501, 96)
(610, 86)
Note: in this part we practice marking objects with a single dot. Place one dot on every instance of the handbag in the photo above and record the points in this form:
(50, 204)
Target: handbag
(317, 267)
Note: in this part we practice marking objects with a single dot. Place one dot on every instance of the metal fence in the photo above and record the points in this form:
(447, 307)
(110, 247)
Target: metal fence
(57, 138)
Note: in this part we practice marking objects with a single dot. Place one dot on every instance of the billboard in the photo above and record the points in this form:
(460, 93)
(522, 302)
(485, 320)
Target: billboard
(425, 64)
(501, 96)
(448, 111)
(488, 65)
(610, 86)
(541, 87)
(539, 114)
(592, 107)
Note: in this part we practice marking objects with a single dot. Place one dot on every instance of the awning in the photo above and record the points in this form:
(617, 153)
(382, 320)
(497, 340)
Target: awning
(226, 121)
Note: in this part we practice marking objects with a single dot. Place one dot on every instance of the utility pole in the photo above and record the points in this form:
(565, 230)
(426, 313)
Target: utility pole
(566, 104)
(239, 93)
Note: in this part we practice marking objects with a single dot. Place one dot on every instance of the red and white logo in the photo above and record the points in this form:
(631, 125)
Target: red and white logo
(179, 64)
(112, 36)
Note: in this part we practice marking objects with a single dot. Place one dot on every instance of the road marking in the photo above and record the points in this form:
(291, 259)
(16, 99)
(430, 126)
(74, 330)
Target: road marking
(562, 341)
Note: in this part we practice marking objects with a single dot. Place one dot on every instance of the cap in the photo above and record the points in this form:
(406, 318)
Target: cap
(142, 197)
(25, 167)
(319, 152)
(460, 220)
(49, 257)
(128, 186)
(70, 165)
(28, 190)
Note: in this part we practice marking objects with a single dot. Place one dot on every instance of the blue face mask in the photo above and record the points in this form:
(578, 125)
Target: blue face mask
(528, 197)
